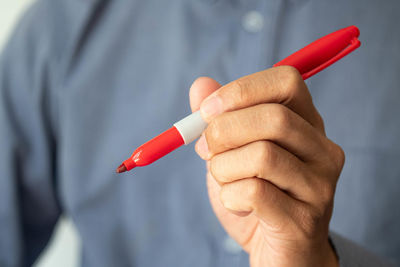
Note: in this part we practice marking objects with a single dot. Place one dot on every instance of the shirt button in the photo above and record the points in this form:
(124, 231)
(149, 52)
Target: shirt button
(231, 246)
(253, 21)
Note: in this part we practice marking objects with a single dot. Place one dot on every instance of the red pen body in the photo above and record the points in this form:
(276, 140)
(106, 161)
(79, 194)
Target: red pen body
(308, 61)
(323, 52)
(183, 132)
(154, 149)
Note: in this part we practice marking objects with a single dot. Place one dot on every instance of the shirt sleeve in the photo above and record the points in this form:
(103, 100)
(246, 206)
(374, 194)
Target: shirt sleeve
(29, 208)
(352, 255)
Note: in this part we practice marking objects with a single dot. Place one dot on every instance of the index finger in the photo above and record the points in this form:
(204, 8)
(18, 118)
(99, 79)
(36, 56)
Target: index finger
(283, 85)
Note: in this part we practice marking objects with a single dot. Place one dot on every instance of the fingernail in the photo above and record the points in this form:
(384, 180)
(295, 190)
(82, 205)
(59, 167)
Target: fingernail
(202, 147)
(239, 213)
(211, 107)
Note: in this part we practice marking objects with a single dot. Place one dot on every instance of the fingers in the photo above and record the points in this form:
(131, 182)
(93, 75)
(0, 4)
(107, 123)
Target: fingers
(262, 198)
(272, 122)
(244, 226)
(268, 161)
(265, 160)
(276, 85)
(278, 212)
(200, 89)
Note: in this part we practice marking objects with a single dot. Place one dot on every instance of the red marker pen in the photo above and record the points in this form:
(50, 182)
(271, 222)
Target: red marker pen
(308, 61)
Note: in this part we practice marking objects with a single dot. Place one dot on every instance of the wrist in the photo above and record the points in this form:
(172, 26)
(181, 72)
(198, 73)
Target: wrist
(333, 258)
(327, 256)
(319, 255)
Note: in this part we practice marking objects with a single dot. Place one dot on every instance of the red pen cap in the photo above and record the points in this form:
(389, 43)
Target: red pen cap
(323, 52)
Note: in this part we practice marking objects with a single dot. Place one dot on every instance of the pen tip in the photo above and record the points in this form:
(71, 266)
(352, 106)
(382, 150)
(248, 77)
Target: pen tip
(121, 168)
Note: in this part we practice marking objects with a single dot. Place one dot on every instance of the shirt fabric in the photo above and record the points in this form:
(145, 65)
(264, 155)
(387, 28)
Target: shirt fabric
(82, 83)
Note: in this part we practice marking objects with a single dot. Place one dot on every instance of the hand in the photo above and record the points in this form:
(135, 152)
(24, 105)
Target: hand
(272, 171)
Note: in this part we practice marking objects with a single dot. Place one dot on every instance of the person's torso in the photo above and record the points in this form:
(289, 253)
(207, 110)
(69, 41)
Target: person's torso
(127, 78)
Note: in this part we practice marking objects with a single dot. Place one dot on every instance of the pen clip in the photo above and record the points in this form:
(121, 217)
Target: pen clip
(353, 45)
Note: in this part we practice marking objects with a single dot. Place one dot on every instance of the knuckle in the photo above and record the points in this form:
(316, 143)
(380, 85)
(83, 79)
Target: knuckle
(326, 192)
(280, 120)
(241, 91)
(319, 122)
(340, 157)
(290, 76)
(265, 156)
(260, 116)
(322, 190)
(255, 191)
(219, 133)
(336, 158)
(290, 80)
(290, 71)
(214, 132)
(217, 171)
(224, 196)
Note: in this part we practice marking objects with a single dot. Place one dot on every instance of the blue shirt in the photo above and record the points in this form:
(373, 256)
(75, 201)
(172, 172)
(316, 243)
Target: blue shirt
(82, 83)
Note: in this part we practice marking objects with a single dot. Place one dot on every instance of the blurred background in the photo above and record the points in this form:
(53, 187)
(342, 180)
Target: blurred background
(63, 250)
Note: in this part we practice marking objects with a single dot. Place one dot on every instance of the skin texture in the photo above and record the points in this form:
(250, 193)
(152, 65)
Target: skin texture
(272, 171)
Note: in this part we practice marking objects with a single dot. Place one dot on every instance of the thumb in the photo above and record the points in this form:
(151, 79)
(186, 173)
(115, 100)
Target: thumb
(200, 89)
